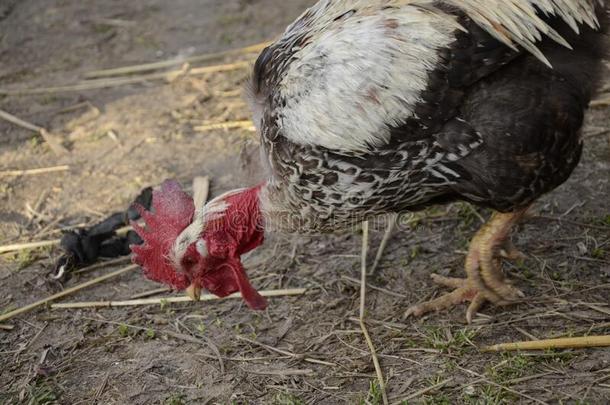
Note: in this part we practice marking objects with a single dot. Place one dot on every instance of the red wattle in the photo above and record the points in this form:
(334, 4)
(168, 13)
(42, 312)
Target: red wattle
(250, 295)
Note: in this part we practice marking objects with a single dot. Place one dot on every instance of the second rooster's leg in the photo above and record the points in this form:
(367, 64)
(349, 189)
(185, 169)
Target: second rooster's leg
(485, 280)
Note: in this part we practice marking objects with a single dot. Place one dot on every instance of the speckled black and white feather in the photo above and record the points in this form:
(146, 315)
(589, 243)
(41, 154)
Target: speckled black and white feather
(369, 107)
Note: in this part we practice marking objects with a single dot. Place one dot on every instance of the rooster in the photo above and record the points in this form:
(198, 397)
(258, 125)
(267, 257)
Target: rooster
(371, 107)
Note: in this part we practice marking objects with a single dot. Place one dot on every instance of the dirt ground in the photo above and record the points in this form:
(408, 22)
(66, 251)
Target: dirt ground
(304, 349)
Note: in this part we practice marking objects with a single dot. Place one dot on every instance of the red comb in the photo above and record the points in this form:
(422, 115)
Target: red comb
(172, 212)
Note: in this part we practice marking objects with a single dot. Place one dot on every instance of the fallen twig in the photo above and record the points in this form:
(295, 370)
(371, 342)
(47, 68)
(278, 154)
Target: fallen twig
(576, 223)
(560, 343)
(34, 213)
(106, 263)
(520, 380)
(55, 146)
(113, 22)
(246, 124)
(53, 242)
(503, 387)
(100, 390)
(105, 83)
(18, 121)
(28, 172)
(282, 373)
(201, 340)
(363, 253)
(372, 287)
(601, 102)
(7, 327)
(424, 391)
(150, 293)
(34, 339)
(169, 300)
(127, 70)
(598, 133)
(30, 245)
(365, 332)
(389, 231)
(284, 352)
(219, 68)
(67, 292)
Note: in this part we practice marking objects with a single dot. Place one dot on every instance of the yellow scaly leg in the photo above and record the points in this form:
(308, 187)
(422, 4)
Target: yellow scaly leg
(485, 280)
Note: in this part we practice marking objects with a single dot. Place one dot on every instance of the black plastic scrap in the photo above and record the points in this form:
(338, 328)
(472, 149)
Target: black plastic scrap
(84, 246)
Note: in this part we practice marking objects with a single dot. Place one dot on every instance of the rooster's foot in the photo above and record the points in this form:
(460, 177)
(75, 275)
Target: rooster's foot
(465, 290)
(485, 282)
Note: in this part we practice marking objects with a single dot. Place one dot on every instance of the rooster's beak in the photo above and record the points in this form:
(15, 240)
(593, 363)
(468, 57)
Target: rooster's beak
(194, 292)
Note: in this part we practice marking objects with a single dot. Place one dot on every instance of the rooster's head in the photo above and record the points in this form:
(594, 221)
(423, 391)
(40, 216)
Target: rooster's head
(191, 248)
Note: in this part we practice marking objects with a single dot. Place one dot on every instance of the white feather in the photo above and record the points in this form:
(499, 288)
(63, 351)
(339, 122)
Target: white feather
(360, 75)
(364, 63)
(203, 215)
(516, 22)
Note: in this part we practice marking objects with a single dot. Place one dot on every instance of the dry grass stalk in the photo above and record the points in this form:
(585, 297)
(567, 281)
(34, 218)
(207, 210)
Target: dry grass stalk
(32, 172)
(246, 124)
(220, 68)
(600, 132)
(575, 223)
(389, 231)
(503, 387)
(45, 243)
(18, 121)
(228, 93)
(372, 287)
(53, 143)
(150, 293)
(170, 300)
(55, 146)
(92, 85)
(282, 373)
(560, 343)
(79, 106)
(7, 327)
(33, 214)
(424, 391)
(284, 352)
(30, 245)
(34, 211)
(147, 67)
(107, 263)
(363, 253)
(105, 83)
(365, 332)
(601, 102)
(67, 292)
